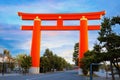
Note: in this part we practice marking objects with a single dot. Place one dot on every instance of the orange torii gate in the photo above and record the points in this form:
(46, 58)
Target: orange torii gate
(37, 28)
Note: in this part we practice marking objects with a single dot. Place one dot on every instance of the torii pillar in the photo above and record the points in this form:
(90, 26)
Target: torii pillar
(83, 44)
(35, 48)
(37, 28)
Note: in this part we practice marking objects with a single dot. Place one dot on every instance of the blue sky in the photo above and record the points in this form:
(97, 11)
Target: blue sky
(60, 42)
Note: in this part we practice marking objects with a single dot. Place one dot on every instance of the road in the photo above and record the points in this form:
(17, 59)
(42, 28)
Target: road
(68, 75)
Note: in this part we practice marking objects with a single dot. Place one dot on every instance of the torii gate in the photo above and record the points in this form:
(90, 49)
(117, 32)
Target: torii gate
(37, 28)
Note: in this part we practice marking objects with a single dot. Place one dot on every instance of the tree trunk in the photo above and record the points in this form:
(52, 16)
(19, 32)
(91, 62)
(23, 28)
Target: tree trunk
(113, 78)
(106, 69)
(117, 66)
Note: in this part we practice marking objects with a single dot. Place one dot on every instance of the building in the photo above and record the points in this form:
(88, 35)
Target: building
(6, 63)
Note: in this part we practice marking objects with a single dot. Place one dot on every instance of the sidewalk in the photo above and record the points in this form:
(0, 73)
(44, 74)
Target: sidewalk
(102, 76)
(10, 74)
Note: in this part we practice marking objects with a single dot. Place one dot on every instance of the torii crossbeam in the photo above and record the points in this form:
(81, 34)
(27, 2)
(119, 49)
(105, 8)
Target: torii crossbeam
(37, 28)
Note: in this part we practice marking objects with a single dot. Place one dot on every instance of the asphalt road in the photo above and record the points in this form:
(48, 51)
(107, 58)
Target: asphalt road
(68, 75)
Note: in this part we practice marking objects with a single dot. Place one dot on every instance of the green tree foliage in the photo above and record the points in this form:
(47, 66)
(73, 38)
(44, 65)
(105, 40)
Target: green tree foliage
(18, 59)
(110, 42)
(50, 62)
(75, 53)
(6, 53)
(89, 57)
(24, 61)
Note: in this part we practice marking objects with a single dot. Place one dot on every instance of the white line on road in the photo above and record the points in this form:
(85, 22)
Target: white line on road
(43, 76)
(33, 78)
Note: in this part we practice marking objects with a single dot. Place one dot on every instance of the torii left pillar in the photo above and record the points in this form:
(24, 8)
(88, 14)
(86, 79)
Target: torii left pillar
(35, 49)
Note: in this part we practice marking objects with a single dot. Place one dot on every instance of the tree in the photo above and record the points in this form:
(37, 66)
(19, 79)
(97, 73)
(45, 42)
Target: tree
(49, 58)
(18, 59)
(109, 42)
(89, 58)
(48, 53)
(44, 64)
(24, 61)
(75, 53)
(7, 54)
(50, 62)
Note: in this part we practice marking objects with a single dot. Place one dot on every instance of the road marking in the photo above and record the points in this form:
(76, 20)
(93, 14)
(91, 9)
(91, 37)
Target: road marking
(46, 76)
(33, 78)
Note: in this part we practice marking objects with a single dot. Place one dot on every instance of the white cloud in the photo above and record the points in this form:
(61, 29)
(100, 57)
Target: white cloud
(53, 34)
(26, 45)
(67, 55)
(93, 35)
(51, 44)
(56, 43)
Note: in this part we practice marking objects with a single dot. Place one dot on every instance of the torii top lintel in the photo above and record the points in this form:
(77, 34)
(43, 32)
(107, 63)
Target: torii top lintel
(64, 16)
(60, 18)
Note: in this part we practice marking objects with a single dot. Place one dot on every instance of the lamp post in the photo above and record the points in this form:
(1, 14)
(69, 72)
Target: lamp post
(2, 49)
(25, 68)
(91, 78)
(3, 65)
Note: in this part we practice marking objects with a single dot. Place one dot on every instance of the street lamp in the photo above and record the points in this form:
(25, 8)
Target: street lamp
(2, 60)
(3, 64)
(25, 67)
(91, 78)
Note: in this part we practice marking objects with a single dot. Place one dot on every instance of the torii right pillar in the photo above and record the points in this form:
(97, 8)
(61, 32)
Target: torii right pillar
(83, 41)
(83, 46)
